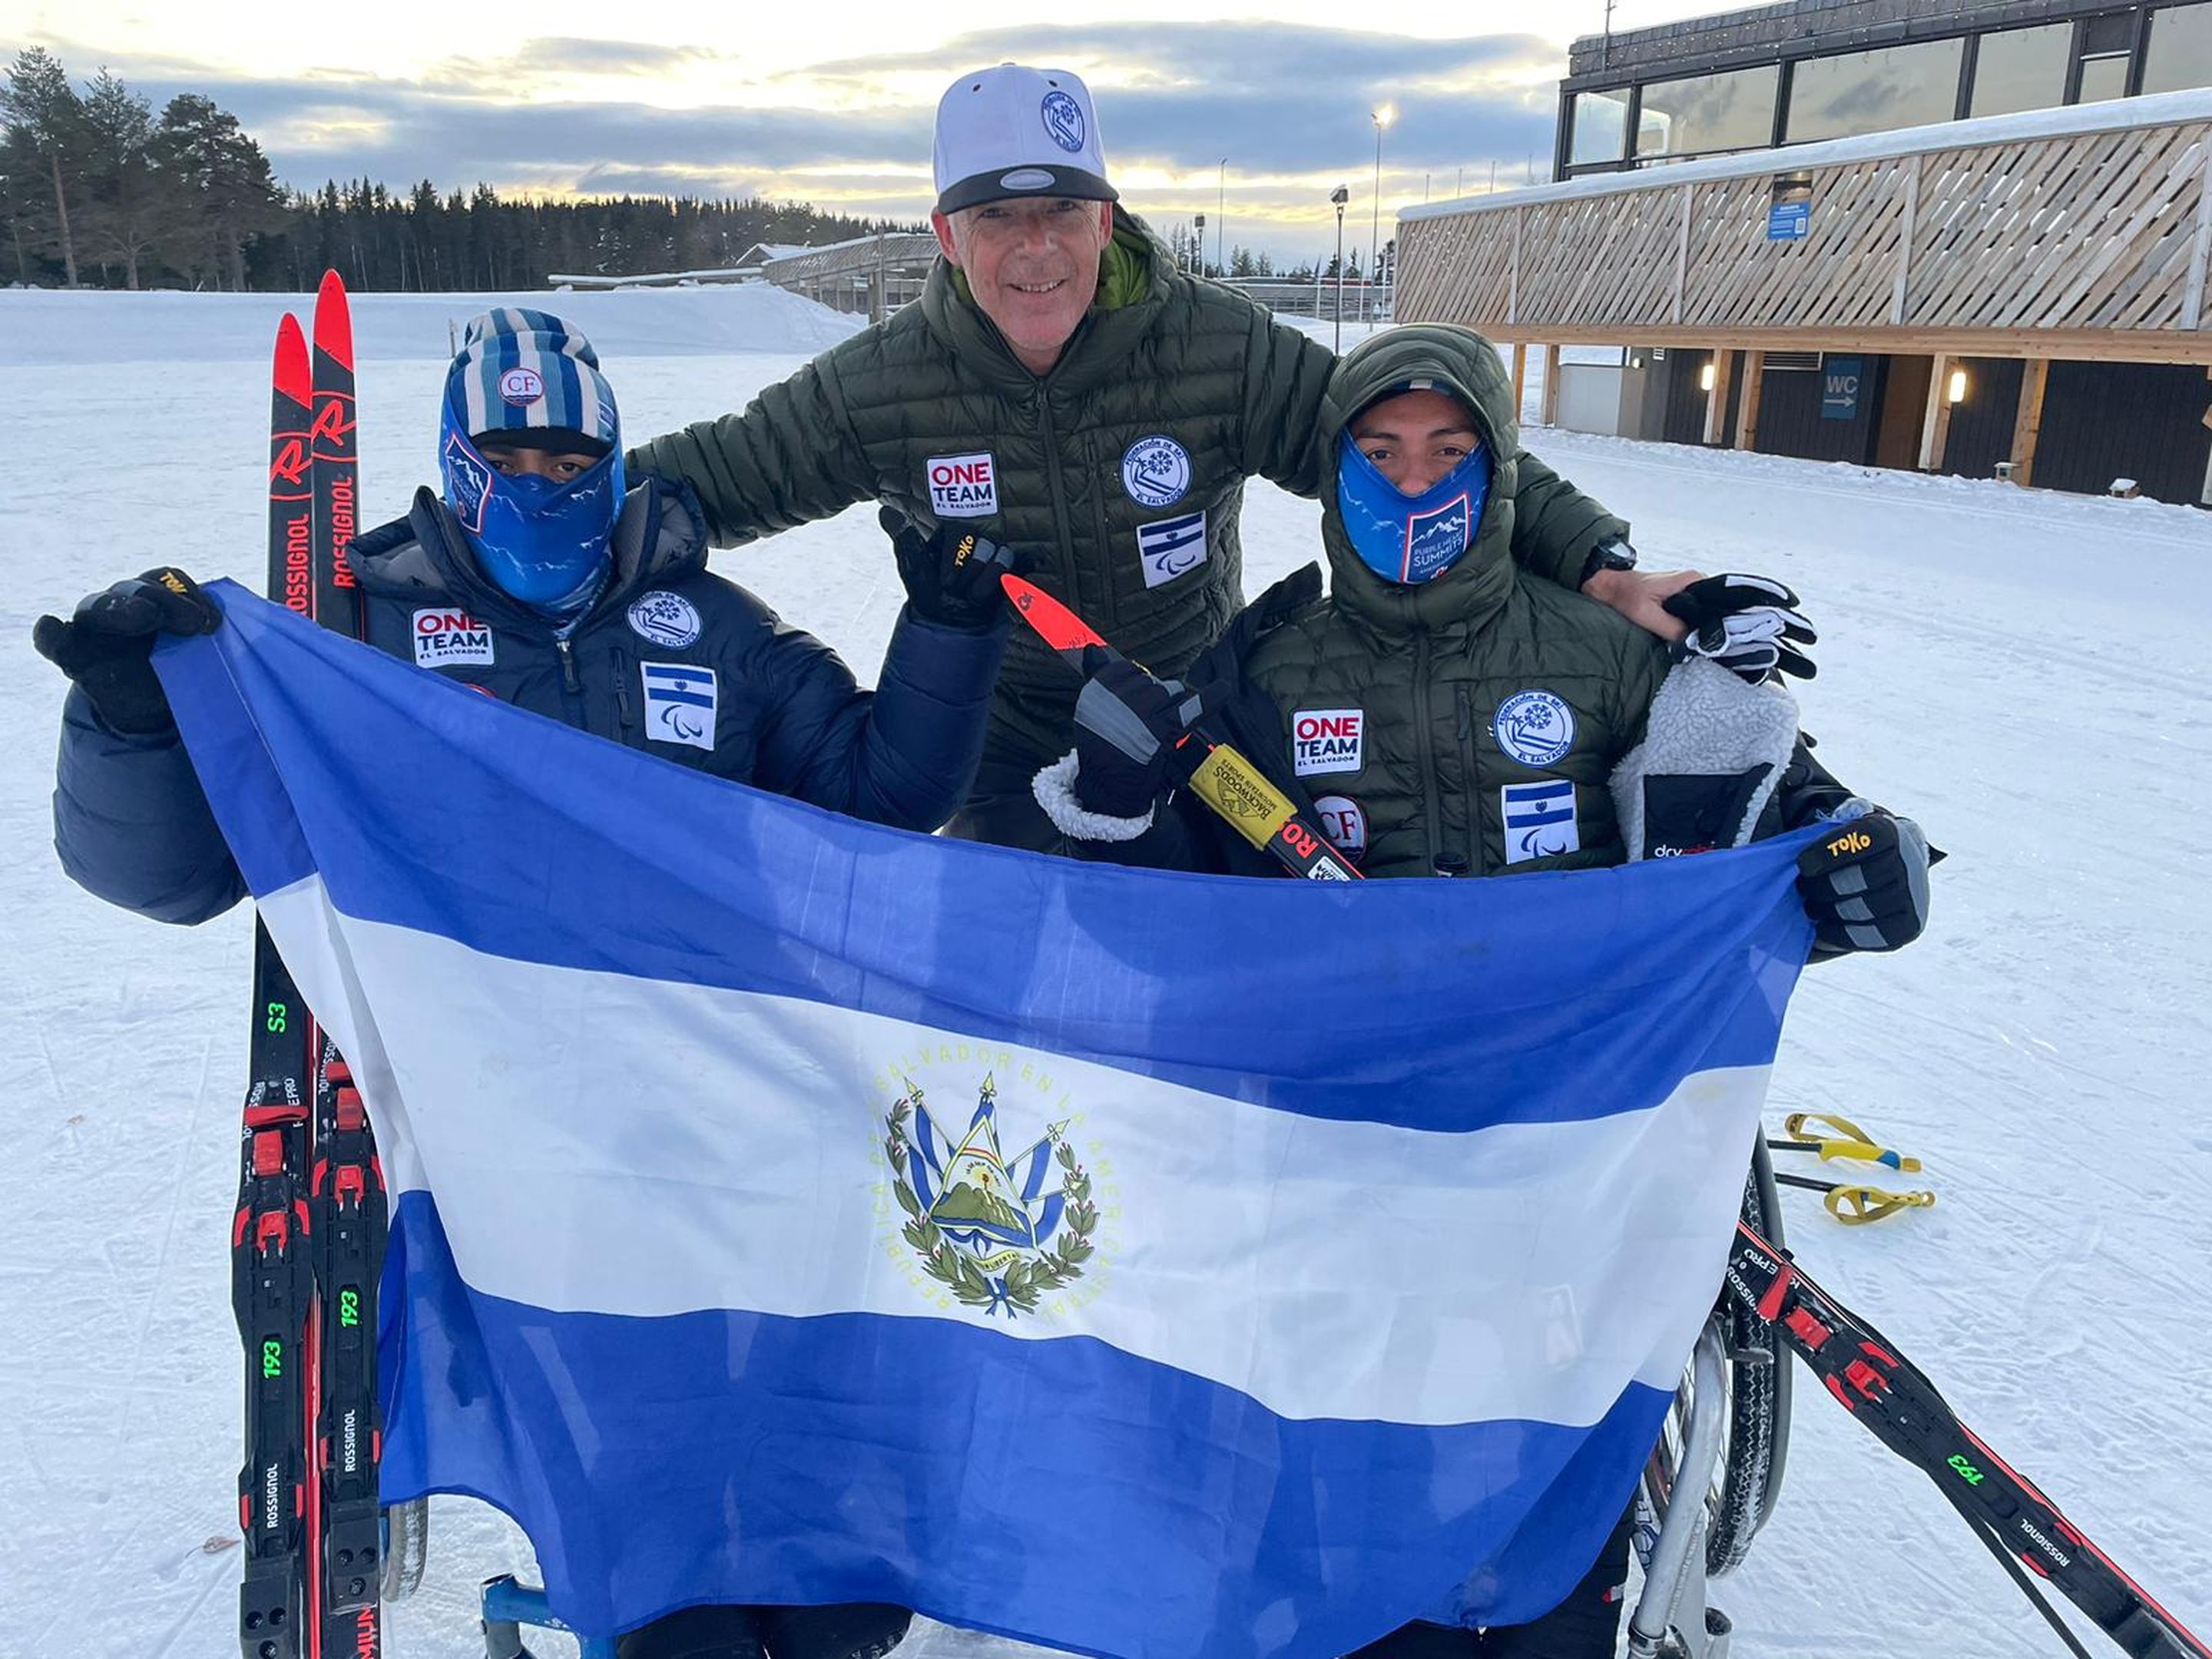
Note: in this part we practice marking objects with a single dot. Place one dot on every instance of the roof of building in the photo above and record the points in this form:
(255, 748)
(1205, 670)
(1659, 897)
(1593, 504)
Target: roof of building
(1795, 28)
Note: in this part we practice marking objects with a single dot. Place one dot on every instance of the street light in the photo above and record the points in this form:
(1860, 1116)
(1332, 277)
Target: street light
(1382, 117)
(1221, 220)
(1340, 196)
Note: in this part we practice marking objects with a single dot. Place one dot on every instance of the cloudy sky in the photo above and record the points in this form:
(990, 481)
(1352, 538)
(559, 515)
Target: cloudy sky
(831, 102)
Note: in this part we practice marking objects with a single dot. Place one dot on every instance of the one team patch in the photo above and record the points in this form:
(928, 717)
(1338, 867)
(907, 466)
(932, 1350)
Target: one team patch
(669, 620)
(1535, 727)
(444, 638)
(1155, 471)
(679, 703)
(962, 486)
(1539, 820)
(1324, 740)
(1167, 548)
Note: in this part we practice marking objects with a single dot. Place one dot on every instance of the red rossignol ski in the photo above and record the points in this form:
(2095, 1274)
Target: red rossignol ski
(1897, 1402)
(307, 1241)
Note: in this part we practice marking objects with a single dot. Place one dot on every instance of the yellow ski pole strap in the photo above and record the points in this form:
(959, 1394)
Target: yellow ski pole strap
(1847, 1141)
(1856, 1206)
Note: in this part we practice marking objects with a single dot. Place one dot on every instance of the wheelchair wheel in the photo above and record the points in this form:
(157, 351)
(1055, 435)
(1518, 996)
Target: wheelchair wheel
(406, 1548)
(1746, 1479)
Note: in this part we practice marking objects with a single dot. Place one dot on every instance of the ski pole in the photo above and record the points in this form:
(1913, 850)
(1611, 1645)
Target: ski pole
(1855, 1203)
(1848, 1140)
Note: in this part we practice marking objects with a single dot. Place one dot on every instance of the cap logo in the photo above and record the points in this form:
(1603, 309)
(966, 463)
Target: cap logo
(1025, 179)
(1063, 121)
(521, 385)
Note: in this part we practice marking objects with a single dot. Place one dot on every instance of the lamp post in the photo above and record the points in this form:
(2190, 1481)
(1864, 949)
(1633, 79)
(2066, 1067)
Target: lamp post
(1340, 196)
(1382, 117)
(1221, 220)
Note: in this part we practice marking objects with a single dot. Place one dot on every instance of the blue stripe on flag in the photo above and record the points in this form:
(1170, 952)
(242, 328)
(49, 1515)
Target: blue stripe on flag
(1133, 969)
(1037, 1433)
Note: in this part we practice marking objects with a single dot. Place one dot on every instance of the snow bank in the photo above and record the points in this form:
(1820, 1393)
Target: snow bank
(42, 325)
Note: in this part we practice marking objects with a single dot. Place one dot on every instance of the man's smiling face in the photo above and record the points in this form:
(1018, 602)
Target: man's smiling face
(1032, 264)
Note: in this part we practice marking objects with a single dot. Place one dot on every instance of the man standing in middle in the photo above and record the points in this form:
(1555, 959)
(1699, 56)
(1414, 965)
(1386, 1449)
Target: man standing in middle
(1062, 387)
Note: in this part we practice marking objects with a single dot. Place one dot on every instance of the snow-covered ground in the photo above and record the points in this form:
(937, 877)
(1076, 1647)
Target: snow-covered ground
(2025, 672)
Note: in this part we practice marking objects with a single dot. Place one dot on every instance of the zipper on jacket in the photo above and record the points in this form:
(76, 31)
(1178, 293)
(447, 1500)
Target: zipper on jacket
(622, 690)
(1058, 490)
(572, 685)
(1475, 863)
(1425, 750)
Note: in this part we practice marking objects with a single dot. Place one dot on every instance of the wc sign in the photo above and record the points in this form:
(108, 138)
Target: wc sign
(1839, 388)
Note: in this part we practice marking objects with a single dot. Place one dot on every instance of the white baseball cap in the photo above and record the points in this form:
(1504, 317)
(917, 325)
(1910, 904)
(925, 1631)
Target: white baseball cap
(1013, 131)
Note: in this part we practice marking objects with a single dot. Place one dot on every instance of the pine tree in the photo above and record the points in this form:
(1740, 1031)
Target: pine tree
(127, 212)
(45, 134)
(222, 175)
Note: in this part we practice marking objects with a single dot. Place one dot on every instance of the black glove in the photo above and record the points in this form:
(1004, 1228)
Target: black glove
(108, 647)
(1126, 721)
(1748, 624)
(1865, 881)
(951, 576)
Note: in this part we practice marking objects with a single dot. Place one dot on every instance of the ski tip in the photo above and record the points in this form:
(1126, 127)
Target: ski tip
(291, 374)
(1055, 624)
(333, 320)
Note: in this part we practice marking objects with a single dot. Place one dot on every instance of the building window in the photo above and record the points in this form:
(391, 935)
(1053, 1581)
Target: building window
(2180, 53)
(2107, 44)
(1704, 113)
(2021, 69)
(1877, 91)
(1599, 129)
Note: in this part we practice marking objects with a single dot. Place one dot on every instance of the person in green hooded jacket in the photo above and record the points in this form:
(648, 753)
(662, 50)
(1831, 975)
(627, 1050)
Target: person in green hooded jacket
(1440, 713)
(1062, 387)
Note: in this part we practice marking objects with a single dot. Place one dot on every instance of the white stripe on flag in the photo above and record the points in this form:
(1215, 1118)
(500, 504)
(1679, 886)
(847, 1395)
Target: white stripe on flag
(601, 1142)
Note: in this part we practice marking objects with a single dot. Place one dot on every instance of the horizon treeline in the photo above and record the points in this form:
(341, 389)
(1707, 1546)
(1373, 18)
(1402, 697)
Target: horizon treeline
(98, 191)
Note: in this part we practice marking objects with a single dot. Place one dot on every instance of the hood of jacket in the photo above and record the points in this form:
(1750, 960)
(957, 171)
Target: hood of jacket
(660, 536)
(1465, 364)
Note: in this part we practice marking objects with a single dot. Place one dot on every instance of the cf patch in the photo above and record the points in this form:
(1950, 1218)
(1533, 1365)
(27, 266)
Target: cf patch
(962, 486)
(1539, 820)
(669, 620)
(1155, 471)
(1344, 821)
(679, 703)
(1328, 740)
(1533, 727)
(1169, 547)
(444, 638)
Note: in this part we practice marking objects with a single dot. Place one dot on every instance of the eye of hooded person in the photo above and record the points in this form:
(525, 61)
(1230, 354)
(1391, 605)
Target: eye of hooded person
(511, 462)
(1416, 438)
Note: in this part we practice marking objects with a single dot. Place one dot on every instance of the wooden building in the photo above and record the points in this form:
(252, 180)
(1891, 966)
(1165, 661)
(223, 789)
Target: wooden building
(2017, 292)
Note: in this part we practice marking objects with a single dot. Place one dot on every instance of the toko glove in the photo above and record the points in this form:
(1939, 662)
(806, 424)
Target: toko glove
(951, 576)
(1864, 882)
(107, 647)
(1748, 624)
(1125, 722)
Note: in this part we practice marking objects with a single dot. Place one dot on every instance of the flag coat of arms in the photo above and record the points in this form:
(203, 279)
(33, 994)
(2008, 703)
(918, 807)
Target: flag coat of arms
(787, 1209)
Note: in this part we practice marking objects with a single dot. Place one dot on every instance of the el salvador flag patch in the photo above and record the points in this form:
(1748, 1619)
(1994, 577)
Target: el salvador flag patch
(1169, 547)
(1539, 820)
(679, 703)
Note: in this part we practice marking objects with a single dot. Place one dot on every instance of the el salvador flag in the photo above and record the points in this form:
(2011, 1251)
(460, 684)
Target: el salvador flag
(788, 1209)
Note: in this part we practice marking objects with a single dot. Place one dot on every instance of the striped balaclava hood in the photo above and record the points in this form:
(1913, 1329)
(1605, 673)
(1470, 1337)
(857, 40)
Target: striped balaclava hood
(524, 379)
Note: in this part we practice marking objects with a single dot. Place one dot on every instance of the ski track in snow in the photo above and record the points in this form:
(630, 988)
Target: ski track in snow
(2023, 673)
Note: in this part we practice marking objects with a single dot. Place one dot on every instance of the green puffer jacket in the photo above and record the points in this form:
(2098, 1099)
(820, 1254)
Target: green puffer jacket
(1121, 472)
(1466, 726)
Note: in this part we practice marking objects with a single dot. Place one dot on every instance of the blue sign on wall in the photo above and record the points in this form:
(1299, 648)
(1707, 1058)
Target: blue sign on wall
(1789, 222)
(1839, 388)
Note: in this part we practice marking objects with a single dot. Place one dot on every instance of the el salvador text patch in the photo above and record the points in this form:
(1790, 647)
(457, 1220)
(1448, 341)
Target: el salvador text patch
(445, 636)
(1325, 740)
(962, 486)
